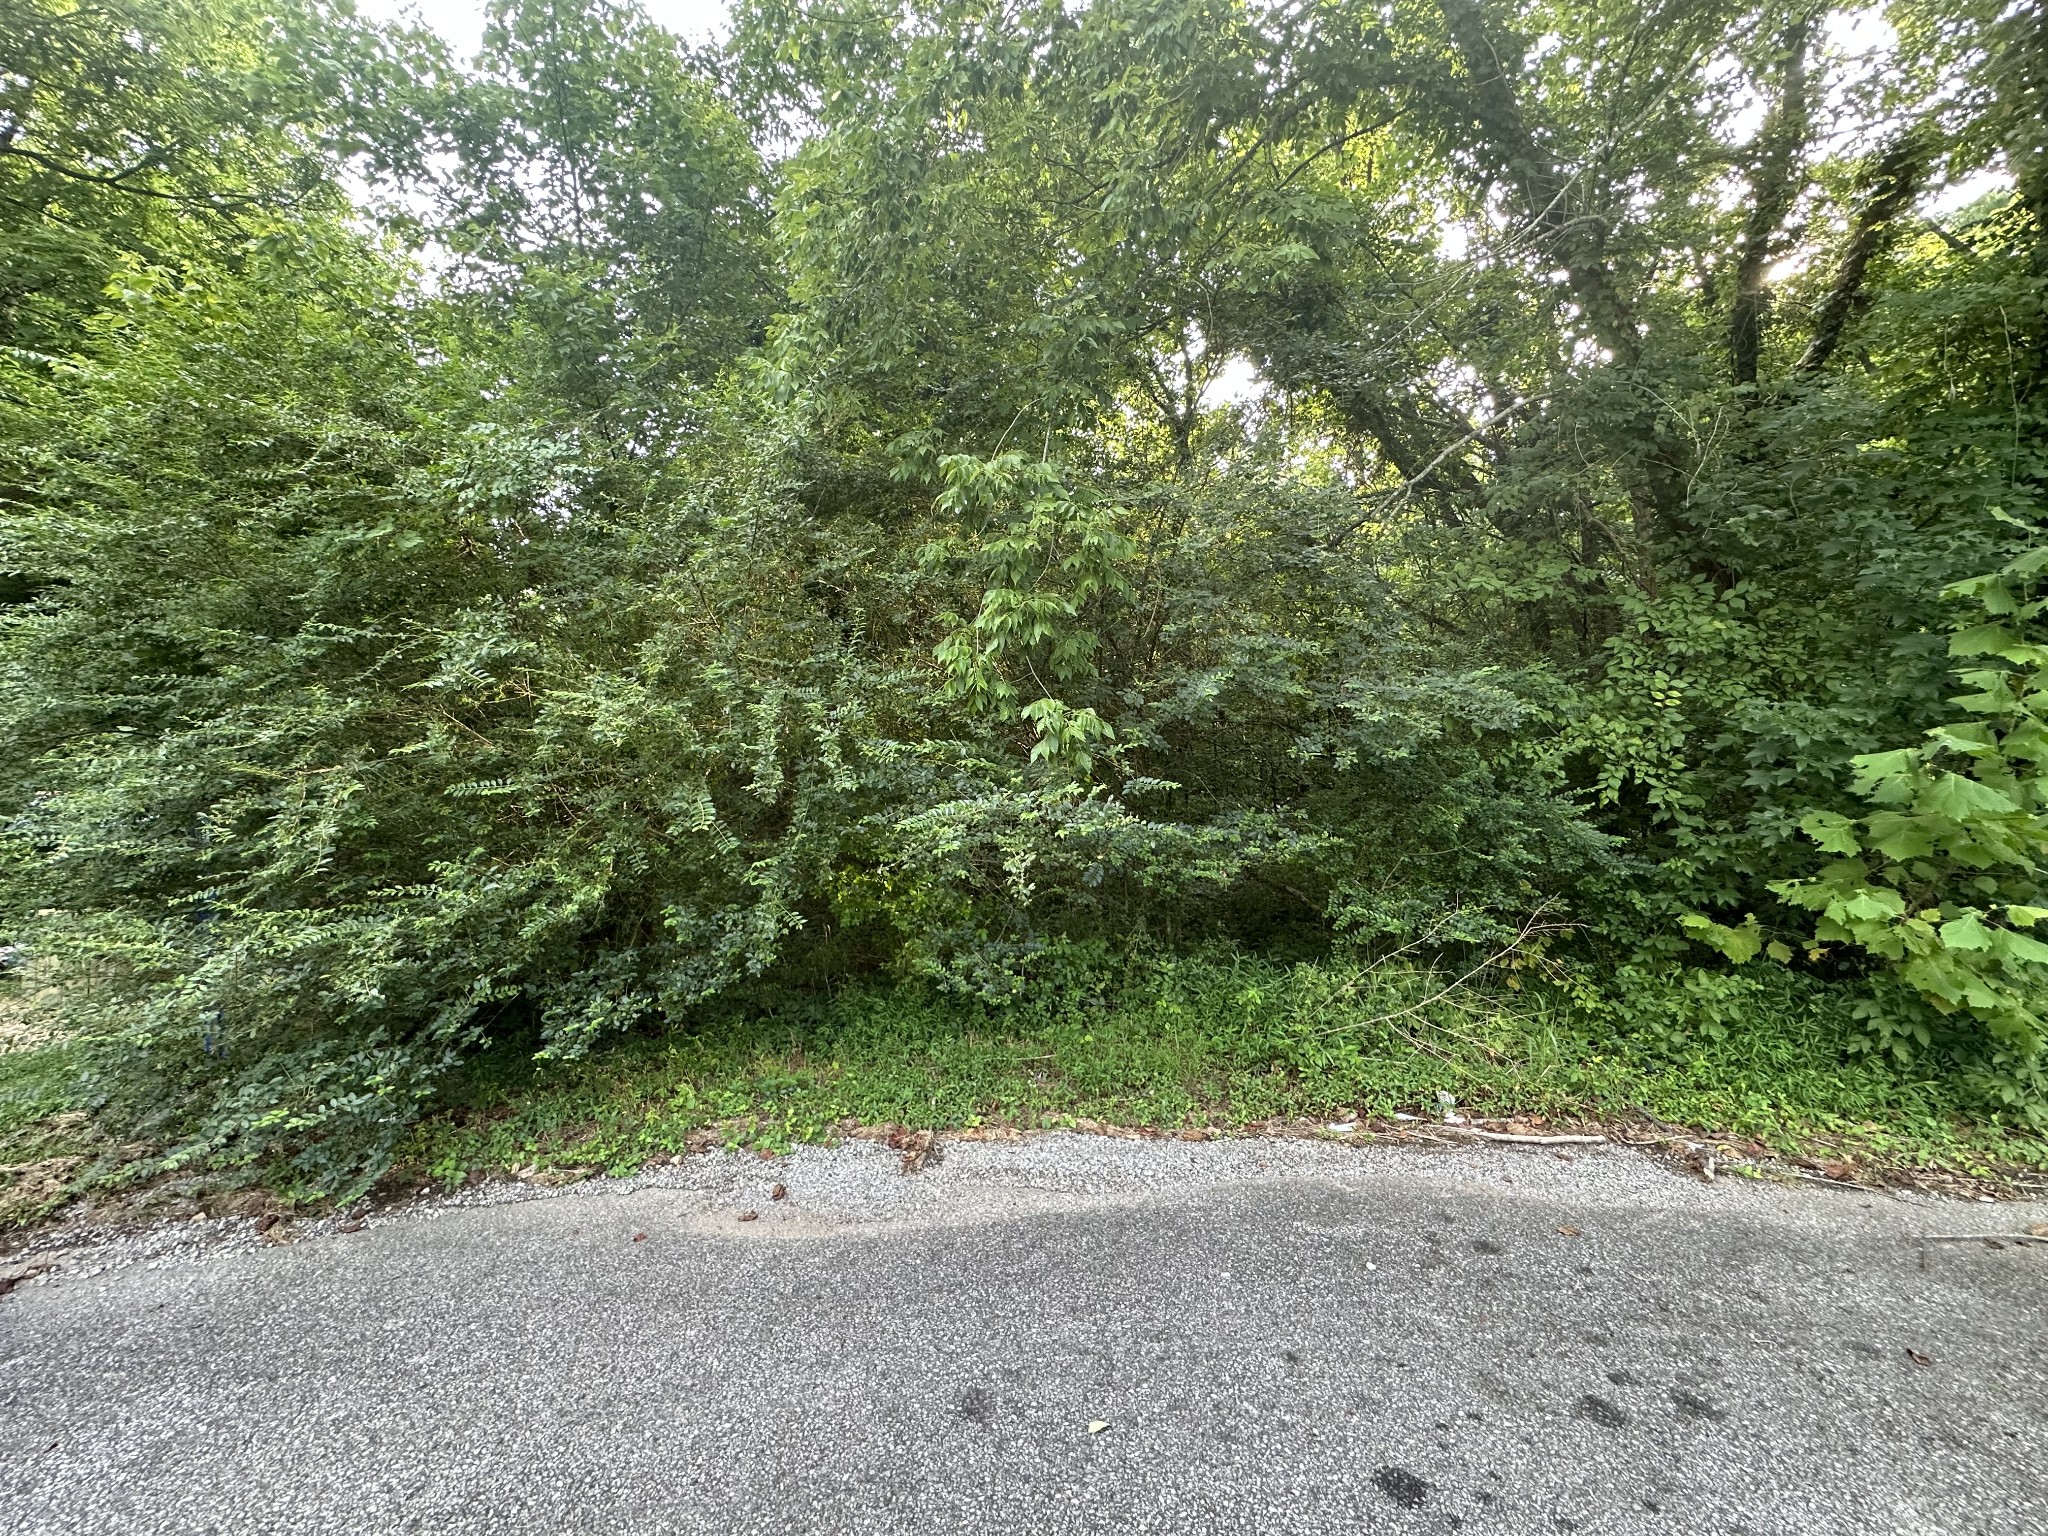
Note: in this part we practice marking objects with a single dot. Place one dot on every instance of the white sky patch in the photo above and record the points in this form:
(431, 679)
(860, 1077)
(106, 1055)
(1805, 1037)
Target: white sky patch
(1960, 194)
(461, 22)
(1237, 382)
(1865, 33)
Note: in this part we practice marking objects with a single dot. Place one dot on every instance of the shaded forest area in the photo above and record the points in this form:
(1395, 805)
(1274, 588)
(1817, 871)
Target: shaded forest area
(978, 498)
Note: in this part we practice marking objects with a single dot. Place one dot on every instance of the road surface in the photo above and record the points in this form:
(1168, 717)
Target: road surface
(1061, 1334)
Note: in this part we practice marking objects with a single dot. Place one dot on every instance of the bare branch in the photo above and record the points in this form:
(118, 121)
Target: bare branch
(119, 181)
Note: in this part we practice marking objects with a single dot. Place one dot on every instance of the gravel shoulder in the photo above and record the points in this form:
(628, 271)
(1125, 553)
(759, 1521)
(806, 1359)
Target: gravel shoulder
(1062, 1333)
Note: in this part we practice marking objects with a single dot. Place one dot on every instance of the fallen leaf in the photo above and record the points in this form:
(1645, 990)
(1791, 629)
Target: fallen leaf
(750, 1215)
(266, 1221)
(2038, 1229)
(639, 1237)
(1097, 1426)
(766, 1154)
(352, 1226)
(919, 1149)
(1917, 1358)
(779, 1192)
(1569, 1232)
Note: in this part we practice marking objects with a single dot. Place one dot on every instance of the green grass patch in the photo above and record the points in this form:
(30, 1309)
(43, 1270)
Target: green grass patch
(1760, 1055)
(1766, 1057)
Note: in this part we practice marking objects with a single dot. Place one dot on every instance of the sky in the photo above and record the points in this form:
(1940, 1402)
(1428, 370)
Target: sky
(462, 21)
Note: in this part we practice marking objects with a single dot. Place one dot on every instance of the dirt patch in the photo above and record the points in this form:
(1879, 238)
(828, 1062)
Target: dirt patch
(27, 1190)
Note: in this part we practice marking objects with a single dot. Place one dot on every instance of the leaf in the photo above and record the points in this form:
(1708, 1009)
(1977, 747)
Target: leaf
(1983, 640)
(2017, 946)
(1900, 838)
(1834, 832)
(1972, 738)
(1962, 799)
(1883, 765)
(1965, 932)
(1738, 944)
(1868, 905)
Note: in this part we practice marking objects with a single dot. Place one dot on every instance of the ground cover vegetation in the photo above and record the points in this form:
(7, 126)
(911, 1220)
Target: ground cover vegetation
(1162, 558)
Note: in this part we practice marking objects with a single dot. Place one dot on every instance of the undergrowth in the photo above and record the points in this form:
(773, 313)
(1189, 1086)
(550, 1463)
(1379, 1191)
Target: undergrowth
(1226, 1044)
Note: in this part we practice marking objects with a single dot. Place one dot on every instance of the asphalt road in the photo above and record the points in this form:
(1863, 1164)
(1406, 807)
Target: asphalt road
(1065, 1334)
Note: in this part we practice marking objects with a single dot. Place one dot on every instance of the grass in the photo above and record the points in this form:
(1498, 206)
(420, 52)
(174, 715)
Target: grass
(1232, 1044)
(1762, 1057)
(46, 1134)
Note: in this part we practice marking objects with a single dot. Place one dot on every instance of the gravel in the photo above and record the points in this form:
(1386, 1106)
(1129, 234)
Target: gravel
(1061, 1333)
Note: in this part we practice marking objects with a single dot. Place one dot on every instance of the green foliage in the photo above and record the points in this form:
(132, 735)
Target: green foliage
(603, 211)
(565, 543)
(1943, 879)
(1207, 1041)
(156, 131)
(1042, 555)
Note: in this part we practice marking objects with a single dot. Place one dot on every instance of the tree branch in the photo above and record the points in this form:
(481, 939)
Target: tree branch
(1577, 241)
(1889, 189)
(1397, 495)
(119, 182)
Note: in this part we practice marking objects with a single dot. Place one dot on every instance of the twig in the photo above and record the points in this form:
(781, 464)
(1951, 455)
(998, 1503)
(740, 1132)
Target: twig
(1532, 927)
(1532, 1141)
(1662, 1125)
(1427, 1049)
(1397, 496)
(119, 181)
(1976, 1237)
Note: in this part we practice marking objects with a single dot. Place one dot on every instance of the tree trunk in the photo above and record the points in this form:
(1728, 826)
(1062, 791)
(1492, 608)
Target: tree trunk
(1889, 189)
(1775, 181)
